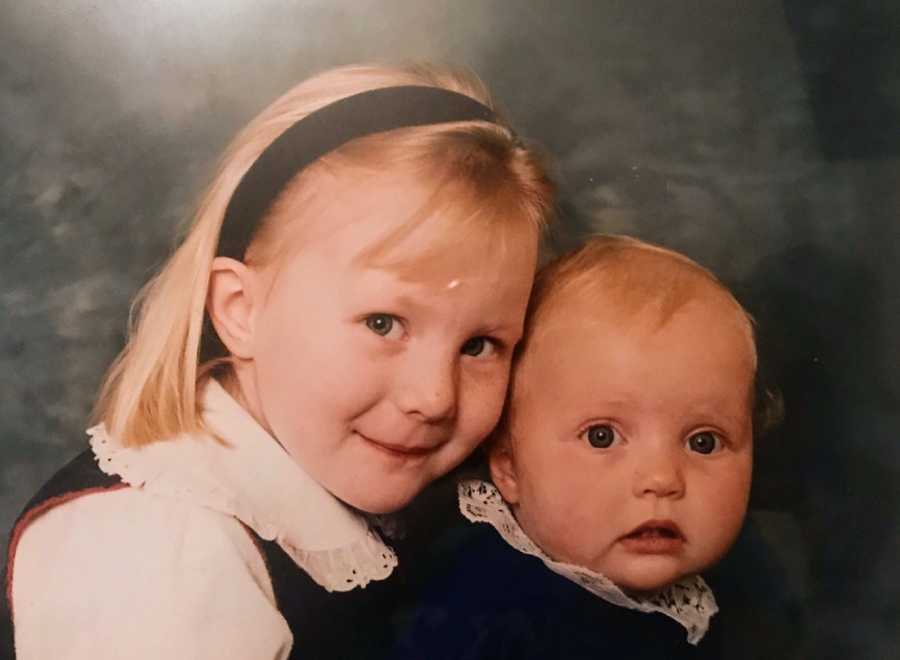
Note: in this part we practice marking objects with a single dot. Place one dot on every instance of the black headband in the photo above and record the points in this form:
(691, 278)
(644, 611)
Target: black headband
(326, 129)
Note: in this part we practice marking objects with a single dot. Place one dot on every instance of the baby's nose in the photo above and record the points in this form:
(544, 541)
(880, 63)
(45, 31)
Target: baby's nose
(660, 477)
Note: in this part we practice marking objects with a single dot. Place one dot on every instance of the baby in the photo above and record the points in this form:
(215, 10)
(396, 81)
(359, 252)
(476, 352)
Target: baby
(623, 462)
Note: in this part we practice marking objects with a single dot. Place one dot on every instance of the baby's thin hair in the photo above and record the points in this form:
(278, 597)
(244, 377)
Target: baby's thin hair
(150, 392)
(629, 276)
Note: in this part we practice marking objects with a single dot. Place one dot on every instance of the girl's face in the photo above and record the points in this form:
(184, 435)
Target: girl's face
(377, 380)
(631, 444)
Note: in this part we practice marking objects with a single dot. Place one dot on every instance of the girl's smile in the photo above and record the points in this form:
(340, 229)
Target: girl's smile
(400, 450)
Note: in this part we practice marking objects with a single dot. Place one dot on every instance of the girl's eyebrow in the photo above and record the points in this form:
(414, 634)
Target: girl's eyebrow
(409, 301)
(513, 330)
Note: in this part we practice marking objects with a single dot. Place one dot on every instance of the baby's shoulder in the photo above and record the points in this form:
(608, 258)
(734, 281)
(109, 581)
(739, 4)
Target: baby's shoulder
(475, 555)
(493, 601)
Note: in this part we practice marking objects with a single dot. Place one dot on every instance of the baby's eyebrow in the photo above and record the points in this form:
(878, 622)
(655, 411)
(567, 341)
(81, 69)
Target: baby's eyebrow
(597, 399)
(719, 413)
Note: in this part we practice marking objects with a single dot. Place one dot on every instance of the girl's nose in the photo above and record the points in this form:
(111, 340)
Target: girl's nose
(428, 389)
(659, 476)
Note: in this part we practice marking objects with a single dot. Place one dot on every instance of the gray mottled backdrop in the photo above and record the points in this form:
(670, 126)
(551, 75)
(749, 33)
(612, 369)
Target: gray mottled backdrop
(760, 137)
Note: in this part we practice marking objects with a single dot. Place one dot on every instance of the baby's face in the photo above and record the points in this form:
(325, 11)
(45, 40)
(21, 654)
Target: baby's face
(631, 446)
(378, 380)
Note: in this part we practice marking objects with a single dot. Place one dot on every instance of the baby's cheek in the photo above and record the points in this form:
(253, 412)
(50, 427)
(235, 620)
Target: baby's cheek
(540, 522)
(554, 512)
(722, 517)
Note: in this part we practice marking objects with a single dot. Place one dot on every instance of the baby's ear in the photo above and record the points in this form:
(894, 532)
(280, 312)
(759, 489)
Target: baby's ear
(503, 469)
(229, 303)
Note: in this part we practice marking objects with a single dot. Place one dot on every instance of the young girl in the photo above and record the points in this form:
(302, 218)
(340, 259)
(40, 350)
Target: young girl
(623, 466)
(334, 332)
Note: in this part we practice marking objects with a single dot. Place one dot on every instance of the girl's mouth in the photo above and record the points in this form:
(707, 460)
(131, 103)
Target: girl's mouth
(398, 451)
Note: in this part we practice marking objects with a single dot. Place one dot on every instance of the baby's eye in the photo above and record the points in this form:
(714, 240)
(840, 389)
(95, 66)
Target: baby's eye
(705, 442)
(382, 324)
(601, 436)
(479, 347)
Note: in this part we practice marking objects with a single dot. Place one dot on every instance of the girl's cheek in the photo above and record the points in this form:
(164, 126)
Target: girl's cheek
(493, 394)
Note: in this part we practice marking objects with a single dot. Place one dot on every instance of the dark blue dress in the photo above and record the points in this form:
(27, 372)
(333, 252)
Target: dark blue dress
(495, 602)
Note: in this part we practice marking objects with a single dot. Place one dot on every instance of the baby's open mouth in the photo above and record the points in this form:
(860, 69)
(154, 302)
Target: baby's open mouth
(654, 536)
(654, 532)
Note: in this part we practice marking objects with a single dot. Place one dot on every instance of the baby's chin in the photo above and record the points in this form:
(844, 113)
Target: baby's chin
(635, 575)
(646, 579)
(642, 588)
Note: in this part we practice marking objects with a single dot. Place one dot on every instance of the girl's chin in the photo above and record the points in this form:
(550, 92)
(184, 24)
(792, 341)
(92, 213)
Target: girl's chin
(378, 503)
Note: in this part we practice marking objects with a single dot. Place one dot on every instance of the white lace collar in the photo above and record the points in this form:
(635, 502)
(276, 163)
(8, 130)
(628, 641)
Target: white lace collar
(690, 602)
(253, 479)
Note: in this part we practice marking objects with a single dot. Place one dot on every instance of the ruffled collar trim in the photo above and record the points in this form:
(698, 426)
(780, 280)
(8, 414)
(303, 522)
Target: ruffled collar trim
(250, 477)
(690, 602)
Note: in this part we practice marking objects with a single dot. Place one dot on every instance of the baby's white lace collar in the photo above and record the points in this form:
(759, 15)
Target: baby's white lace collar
(690, 602)
(251, 478)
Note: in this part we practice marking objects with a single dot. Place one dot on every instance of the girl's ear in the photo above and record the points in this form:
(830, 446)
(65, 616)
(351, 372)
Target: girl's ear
(230, 304)
(503, 470)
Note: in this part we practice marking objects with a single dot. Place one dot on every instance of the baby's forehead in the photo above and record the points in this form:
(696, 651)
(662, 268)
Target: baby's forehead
(643, 292)
(636, 359)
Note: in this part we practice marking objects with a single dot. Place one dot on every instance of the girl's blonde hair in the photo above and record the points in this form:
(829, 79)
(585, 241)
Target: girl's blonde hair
(151, 390)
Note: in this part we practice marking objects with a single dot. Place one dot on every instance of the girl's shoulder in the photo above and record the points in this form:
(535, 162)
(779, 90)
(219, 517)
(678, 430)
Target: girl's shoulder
(86, 530)
(90, 514)
(101, 524)
(117, 567)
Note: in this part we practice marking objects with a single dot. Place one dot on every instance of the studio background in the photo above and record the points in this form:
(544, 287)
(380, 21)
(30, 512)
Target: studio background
(761, 138)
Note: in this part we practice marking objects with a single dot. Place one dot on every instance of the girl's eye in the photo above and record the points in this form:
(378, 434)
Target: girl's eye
(601, 436)
(705, 442)
(478, 347)
(380, 324)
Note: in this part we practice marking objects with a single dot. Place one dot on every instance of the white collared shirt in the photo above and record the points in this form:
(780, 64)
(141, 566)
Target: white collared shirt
(165, 568)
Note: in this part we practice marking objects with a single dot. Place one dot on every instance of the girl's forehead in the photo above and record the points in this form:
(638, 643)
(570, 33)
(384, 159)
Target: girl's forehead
(323, 201)
(444, 247)
(404, 223)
